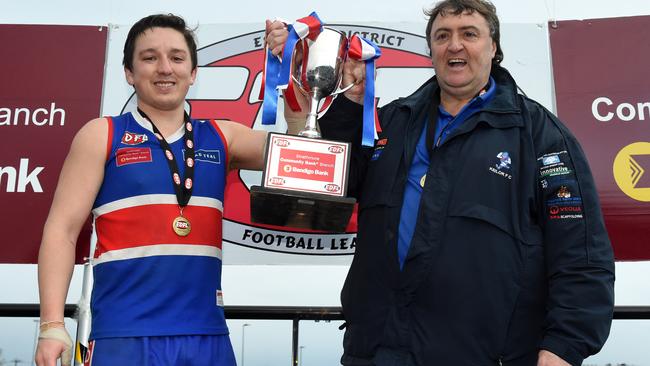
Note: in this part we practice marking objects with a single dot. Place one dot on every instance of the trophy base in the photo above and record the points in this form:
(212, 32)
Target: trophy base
(300, 209)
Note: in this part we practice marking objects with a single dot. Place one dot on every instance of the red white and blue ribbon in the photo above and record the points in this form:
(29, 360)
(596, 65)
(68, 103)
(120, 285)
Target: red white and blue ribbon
(363, 50)
(277, 74)
(307, 27)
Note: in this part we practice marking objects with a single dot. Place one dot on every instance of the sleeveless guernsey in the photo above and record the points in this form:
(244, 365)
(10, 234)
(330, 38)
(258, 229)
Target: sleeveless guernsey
(148, 281)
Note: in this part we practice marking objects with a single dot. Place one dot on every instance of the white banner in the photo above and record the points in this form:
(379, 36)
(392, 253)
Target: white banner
(230, 61)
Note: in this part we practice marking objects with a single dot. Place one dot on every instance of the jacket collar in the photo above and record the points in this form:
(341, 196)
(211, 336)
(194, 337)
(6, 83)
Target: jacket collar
(504, 103)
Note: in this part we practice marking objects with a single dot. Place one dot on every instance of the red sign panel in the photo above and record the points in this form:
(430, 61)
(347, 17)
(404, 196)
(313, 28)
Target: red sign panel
(306, 165)
(602, 93)
(51, 85)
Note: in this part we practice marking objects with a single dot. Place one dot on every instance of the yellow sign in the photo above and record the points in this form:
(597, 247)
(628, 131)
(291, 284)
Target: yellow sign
(628, 172)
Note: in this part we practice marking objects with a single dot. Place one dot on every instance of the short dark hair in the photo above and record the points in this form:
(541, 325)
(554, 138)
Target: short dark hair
(458, 7)
(161, 21)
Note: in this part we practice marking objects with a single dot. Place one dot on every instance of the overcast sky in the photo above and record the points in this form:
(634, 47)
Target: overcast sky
(128, 11)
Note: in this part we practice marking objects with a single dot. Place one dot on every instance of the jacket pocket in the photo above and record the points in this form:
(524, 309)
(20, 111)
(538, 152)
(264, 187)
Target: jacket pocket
(520, 317)
(379, 197)
(526, 235)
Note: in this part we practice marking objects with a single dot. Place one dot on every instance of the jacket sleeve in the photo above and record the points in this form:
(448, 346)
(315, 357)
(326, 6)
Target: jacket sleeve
(343, 122)
(579, 257)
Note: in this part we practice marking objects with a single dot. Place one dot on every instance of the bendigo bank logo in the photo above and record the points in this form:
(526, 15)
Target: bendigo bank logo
(227, 87)
(631, 173)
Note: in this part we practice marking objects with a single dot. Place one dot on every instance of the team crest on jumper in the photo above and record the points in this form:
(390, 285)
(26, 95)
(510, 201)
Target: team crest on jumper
(130, 138)
(227, 87)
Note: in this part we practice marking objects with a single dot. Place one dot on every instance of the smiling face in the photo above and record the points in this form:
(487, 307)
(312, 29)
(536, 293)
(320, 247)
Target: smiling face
(461, 50)
(162, 70)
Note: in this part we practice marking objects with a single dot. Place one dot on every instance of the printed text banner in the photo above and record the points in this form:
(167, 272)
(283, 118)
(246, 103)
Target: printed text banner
(602, 93)
(51, 85)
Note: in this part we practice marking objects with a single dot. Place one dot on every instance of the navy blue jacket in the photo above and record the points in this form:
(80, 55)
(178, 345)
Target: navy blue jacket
(510, 254)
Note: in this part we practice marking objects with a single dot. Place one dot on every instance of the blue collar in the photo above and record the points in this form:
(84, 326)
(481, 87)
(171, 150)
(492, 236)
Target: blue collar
(448, 123)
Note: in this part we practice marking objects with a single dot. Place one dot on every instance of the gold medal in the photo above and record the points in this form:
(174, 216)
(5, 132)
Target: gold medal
(181, 226)
(422, 180)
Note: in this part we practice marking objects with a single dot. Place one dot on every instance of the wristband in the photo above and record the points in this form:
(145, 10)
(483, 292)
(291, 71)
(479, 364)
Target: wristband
(51, 324)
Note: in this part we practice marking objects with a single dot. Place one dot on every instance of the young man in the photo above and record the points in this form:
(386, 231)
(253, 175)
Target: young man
(480, 237)
(157, 205)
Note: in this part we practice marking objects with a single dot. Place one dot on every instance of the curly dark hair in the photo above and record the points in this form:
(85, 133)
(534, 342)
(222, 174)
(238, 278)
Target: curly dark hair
(458, 7)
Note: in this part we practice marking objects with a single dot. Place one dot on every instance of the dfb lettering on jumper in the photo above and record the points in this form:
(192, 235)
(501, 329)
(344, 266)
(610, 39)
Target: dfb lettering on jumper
(38, 117)
(24, 179)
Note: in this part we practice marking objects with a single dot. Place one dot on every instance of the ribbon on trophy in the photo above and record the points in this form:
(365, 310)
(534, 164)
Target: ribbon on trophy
(277, 74)
(363, 50)
(268, 90)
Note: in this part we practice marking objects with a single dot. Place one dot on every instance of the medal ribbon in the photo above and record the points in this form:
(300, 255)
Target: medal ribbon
(363, 50)
(183, 191)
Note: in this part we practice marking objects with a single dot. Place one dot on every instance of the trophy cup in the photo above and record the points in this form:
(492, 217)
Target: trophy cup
(304, 183)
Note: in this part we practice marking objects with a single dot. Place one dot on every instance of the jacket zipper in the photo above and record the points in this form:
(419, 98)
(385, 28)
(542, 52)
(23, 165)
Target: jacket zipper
(442, 133)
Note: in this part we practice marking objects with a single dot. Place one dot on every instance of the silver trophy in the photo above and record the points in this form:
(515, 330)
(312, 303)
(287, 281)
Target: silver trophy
(320, 72)
(304, 184)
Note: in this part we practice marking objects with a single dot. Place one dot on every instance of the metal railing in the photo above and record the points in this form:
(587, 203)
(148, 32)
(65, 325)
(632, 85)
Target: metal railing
(293, 313)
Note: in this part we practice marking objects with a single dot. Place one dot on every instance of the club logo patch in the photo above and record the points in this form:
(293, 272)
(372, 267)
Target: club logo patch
(130, 138)
(504, 160)
(502, 167)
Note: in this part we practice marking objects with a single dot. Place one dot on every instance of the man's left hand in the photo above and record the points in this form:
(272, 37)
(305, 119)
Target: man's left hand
(547, 358)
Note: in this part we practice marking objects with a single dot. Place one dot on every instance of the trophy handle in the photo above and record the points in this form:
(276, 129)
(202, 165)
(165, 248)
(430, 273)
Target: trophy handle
(343, 90)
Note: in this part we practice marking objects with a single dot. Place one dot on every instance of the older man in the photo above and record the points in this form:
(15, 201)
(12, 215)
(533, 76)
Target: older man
(480, 237)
